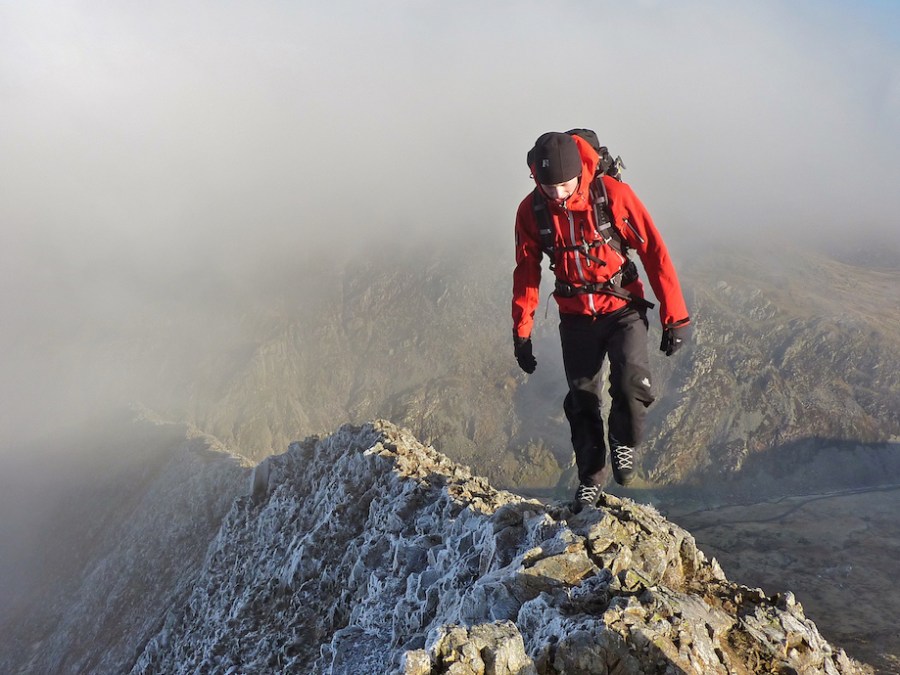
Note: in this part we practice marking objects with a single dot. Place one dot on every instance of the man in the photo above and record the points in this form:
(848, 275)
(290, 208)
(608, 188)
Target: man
(601, 300)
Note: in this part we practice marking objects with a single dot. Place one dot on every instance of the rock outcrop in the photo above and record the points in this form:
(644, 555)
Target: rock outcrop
(367, 552)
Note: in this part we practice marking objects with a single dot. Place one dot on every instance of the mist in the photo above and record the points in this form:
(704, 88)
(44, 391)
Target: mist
(151, 153)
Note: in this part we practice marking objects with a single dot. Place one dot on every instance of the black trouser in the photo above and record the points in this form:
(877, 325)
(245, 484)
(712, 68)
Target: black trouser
(586, 340)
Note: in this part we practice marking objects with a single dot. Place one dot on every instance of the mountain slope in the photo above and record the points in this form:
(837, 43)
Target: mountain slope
(791, 348)
(368, 552)
(124, 541)
(794, 349)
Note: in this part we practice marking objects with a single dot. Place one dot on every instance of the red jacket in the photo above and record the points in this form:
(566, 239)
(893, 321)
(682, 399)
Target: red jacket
(636, 228)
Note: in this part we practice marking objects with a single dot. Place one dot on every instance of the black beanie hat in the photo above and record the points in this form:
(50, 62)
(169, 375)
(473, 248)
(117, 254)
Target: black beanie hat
(555, 158)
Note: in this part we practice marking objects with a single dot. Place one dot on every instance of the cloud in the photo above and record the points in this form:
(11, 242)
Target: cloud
(197, 122)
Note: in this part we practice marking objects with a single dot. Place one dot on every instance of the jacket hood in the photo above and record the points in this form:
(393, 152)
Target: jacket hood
(580, 200)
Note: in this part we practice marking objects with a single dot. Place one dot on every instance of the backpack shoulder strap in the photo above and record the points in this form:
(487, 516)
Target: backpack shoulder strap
(604, 219)
(544, 222)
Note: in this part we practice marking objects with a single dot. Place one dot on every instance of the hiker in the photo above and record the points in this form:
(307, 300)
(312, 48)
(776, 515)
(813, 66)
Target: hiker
(601, 302)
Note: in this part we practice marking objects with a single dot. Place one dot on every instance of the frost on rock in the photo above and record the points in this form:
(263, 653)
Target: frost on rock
(367, 552)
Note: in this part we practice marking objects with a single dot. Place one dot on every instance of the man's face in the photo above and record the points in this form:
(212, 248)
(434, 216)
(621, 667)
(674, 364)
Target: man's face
(561, 191)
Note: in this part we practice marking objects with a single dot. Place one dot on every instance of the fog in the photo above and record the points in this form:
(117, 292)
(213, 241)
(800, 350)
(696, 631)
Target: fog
(146, 149)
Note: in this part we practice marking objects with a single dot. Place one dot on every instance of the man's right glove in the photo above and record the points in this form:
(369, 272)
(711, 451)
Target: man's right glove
(524, 354)
(673, 337)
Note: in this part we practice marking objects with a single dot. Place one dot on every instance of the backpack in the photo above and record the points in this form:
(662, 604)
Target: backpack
(604, 223)
(607, 166)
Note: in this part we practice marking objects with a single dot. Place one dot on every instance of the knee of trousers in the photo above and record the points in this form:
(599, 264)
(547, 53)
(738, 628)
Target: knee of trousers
(635, 385)
(578, 402)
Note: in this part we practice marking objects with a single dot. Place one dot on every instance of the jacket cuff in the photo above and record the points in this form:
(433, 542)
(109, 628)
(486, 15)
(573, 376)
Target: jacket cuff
(678, 324)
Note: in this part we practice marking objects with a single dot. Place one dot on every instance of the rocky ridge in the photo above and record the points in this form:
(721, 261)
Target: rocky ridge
(368, 552)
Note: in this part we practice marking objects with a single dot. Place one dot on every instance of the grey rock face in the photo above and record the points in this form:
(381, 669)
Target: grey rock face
(790, 350)
(367, 552)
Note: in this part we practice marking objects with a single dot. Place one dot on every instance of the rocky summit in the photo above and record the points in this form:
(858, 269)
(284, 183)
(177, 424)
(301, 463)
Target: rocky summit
(368, 552)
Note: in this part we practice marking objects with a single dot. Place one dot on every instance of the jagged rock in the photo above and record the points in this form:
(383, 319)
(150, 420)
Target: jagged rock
(367, 552)
(486, 649)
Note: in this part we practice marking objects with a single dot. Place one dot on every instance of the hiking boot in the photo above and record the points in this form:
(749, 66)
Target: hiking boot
(587, 495)
(623, 464)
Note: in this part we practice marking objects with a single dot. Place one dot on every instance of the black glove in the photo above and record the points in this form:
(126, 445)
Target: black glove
(524, 354)
(673, 337)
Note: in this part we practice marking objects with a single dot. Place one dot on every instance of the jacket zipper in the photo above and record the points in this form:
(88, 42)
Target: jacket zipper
(633, 229)
(578, 266)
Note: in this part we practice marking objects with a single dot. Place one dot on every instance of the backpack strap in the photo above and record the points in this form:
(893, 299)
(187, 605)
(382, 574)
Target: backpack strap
(610, 288)
(603, 224)
(546, 231)
(608, 234)
(603, 218)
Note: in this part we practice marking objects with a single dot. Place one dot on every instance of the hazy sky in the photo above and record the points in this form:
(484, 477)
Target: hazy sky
(128, 125)
(141, 139)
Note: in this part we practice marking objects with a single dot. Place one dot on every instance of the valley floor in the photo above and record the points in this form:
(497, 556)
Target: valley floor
(837, 552)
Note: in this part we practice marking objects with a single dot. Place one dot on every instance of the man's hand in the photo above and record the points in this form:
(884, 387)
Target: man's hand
(524, 354)
(673, 338)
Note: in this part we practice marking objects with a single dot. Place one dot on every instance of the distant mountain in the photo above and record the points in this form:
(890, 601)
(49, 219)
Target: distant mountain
(791, 350)
(118, 528)
(367, 552)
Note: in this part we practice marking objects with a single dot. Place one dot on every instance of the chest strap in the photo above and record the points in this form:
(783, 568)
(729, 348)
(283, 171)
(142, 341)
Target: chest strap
(613, 287)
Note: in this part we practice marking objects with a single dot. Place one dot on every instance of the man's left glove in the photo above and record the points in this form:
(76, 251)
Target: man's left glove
(673, 337)
(524, 353)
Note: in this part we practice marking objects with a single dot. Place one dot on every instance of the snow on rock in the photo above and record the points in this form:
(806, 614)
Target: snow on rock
(367, 552)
